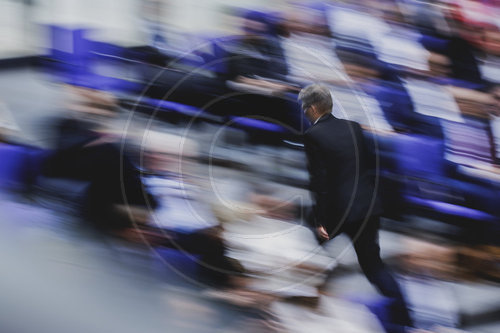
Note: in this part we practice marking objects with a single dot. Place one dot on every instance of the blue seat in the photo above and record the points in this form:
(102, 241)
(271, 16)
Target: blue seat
(68, 52)
(114, 59)
(419, 156)
(434, 44)
(75, 60)
(451, 209)
(175, 111)
(257, 125)
(428, 189)
(164, 105)
(20, 166)
(12, 168)
(216, 59)
(179, 264)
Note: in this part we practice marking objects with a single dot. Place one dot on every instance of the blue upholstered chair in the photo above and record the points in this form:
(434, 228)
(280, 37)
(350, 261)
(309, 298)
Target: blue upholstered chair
(13, 166)
(429, 190)
(20, 166)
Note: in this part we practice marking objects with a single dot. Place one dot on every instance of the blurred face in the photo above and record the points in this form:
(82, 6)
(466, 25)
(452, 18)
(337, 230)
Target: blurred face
(359, 73)
(439, 65)
(491, 43)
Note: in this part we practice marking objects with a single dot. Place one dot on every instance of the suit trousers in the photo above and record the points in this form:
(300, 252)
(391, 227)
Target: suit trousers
(365, 240)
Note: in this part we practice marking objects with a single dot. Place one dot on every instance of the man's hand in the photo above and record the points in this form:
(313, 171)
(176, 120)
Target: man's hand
(321, 231)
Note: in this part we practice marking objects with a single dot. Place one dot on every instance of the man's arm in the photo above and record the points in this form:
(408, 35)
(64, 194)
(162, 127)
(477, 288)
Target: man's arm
(318, 180)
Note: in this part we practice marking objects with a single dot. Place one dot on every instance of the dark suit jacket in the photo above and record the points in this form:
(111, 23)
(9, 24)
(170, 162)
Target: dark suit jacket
(341, 181)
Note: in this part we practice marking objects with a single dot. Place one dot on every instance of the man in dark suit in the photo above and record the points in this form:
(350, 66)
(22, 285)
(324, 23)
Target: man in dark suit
(343, 190)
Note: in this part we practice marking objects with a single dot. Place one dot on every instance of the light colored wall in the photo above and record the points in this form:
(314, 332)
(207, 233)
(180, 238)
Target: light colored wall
(120, 21)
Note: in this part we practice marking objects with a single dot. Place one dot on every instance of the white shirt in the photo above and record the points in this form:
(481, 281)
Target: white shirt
(179, 209)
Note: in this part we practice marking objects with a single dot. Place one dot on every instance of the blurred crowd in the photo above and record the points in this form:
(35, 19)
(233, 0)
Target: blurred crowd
(195, 144)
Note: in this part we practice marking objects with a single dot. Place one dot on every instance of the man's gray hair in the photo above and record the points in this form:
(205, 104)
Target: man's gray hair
(318, 95)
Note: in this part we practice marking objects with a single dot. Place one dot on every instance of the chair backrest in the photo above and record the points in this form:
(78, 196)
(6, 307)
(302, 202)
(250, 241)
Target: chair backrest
(13, 164)
(419, 156)
(434, 44)
(19, 165)
(253, 124)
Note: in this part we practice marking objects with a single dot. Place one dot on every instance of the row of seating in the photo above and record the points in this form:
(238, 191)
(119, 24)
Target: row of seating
(82, 65)
(415, 178)
(422, 182)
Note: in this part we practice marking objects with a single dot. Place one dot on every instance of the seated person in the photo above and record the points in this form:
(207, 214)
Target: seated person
(154, 207)
(256, 53)
(490, 62)
(458, 46)
(256, 68)
(379, 81)
(309, 47)
(184, 215)
(85, 151)
(429, 97)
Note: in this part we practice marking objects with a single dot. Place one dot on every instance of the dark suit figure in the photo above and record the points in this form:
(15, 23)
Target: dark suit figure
(344, 192)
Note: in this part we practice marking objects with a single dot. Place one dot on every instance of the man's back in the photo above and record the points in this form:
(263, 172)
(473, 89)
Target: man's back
(343, 191)
(339, 169)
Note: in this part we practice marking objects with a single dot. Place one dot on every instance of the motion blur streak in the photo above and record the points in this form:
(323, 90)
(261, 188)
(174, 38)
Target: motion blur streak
(159, 173)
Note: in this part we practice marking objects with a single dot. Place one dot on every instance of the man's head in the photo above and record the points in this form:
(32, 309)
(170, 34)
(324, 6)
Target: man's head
(316, 101)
